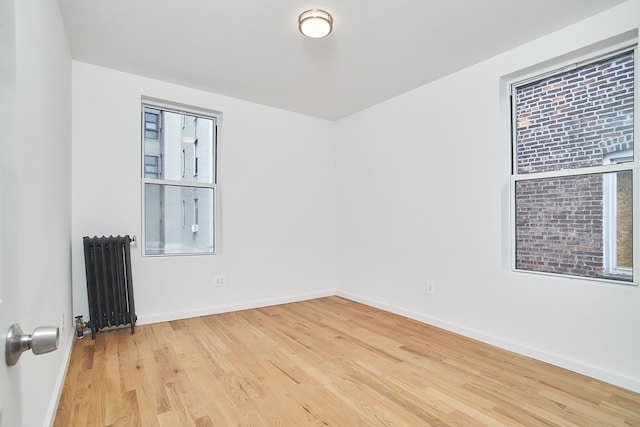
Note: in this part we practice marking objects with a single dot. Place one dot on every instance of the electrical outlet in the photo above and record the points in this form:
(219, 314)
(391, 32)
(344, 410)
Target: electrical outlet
(219, 280)
(431, 287)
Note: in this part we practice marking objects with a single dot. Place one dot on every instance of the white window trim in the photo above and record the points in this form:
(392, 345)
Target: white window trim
(155, 103)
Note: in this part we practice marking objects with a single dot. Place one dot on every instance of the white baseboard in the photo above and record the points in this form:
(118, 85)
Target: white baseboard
(50, 416)
(166, 317)
(614, 378)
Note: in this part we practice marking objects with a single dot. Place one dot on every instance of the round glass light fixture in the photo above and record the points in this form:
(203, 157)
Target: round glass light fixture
(315, 23)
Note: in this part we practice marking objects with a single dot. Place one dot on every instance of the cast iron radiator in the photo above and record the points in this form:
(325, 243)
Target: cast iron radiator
(109, 284)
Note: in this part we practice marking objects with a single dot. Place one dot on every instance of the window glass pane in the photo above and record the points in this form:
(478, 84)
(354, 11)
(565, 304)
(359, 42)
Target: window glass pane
(175, 144)
(576, 225)
(151, 160)
(151, 167)
(171, 225)
(576, 118)
(151, 134)
(151, 117)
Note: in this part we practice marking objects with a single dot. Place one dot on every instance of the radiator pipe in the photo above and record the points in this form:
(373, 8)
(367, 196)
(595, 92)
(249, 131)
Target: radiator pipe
(80, 327)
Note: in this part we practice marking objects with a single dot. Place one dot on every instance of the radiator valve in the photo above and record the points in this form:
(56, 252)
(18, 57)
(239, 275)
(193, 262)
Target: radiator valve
(80, 327)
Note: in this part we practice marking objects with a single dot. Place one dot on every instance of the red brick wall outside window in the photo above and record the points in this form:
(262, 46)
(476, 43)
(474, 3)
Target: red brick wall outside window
(580, 224)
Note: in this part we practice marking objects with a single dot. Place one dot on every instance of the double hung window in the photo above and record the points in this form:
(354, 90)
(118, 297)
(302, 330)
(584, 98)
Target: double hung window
(574, 169)
(179, 200)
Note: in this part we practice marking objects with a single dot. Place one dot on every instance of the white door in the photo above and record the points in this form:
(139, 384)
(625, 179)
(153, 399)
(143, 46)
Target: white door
(10, 402)
(9, 376)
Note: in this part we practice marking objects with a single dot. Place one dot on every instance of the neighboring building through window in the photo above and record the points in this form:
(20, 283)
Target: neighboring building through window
(151, 124)
(151, 169)
(179, 201)
(573, 168)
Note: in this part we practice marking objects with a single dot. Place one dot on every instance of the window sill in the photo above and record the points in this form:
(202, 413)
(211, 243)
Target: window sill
(613, 279)
(617, 276)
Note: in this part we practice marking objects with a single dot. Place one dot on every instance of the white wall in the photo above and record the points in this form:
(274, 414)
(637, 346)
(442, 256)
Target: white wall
(43, 186)
(422, 194)
(277, 186)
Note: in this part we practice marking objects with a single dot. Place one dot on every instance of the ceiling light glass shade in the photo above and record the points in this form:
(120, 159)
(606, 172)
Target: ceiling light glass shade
(315, 23)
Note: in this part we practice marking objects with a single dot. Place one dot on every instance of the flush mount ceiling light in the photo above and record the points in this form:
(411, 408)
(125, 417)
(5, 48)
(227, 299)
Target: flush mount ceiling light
(315, 23)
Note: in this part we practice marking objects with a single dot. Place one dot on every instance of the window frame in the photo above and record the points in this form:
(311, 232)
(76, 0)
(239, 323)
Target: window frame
(182, 109)
(605, 169)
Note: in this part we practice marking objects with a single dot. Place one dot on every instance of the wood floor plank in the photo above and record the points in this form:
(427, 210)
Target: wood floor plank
(323, 362)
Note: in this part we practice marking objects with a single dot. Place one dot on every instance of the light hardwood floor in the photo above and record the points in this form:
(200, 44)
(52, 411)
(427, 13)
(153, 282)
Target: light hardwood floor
(324, 362)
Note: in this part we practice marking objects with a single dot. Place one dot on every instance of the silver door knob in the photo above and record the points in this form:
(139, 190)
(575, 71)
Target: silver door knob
(44, 339)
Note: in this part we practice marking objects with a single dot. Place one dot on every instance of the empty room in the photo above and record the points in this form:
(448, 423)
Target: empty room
(298, 213)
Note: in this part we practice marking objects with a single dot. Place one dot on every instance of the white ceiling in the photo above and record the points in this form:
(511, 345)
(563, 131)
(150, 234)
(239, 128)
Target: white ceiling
(252, 50)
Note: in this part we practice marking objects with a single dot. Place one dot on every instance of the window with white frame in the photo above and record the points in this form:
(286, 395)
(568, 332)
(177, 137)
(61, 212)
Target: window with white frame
(574, 169)
(179, 203)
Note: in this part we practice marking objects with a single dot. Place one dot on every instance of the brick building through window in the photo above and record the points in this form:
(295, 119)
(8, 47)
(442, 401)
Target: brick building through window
(573, 165)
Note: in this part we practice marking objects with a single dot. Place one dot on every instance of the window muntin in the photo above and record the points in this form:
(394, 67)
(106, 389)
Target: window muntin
(574, 164)
(179, 204)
